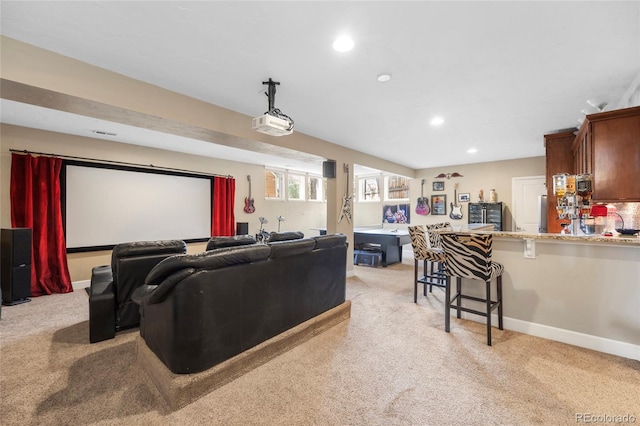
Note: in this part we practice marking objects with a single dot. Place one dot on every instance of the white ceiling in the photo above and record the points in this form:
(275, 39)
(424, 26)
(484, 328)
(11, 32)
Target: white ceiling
(501, 74)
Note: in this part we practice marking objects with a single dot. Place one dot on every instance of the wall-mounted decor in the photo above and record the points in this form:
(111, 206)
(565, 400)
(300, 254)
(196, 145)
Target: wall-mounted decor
(464, 198)
(395, 213)
(449, 175)
(438, 204)
(438, 186)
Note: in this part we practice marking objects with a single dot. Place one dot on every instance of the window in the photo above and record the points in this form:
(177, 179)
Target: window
(273, 184)
(369, 188)
(397, 187)
(315, 188)
(296, 186)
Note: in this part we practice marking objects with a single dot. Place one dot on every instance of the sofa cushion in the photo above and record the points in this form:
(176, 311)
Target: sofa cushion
(290, 248)
(222, 242)
(331, 240)
(213, 259)
(285, 236)
(144, 248)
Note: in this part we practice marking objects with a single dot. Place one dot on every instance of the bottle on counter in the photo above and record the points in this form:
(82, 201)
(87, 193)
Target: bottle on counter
(481, 196)
(493, 197)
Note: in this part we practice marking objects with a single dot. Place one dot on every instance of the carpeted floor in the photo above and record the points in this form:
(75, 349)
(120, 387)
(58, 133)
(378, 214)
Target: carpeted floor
(390, 364)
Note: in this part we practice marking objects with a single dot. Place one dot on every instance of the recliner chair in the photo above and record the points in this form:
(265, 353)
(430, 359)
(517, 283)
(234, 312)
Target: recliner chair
(110, 306)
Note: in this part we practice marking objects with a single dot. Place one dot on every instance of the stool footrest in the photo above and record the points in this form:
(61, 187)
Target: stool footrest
(431, 280)
(473, 311)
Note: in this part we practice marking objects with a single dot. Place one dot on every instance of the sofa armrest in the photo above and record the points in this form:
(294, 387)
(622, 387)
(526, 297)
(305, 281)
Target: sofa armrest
(102, 305)
(150, 294)
(101, 277)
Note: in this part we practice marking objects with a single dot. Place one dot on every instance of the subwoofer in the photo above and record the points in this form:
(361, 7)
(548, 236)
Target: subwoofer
(242, 228)
(15, 259)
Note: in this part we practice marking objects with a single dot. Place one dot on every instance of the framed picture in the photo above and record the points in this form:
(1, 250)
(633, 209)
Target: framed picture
(438, 204)
(396, 213)
(438, 186)
(463, 198)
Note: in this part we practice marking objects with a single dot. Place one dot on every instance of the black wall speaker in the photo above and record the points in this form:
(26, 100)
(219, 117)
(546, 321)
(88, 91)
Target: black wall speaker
(242, 228)
(329, 169)
(15, 259)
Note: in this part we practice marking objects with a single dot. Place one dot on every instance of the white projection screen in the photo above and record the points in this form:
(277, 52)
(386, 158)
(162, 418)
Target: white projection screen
(105, 206)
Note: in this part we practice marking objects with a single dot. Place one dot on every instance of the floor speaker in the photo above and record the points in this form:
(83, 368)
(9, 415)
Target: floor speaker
(329, 169)
(15, 259)
(242, 228)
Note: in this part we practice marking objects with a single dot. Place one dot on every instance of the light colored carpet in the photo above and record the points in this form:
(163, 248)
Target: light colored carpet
(390, 364)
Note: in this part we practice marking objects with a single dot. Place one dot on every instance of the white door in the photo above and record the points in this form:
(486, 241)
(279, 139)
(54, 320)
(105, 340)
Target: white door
(525, 192)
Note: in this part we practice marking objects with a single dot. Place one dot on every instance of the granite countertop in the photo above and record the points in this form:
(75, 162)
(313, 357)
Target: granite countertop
(630, 240)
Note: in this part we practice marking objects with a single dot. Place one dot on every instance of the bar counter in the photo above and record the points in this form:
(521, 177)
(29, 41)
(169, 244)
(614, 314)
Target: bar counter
(581, 290)
(586, 239)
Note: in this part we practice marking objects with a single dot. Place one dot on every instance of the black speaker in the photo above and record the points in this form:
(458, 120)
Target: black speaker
(242, 228)
(15, 259)
(329, 169)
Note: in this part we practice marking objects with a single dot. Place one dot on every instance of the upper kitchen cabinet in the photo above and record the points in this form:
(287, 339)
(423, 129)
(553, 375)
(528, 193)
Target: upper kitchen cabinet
(559, 159)
(608, 146)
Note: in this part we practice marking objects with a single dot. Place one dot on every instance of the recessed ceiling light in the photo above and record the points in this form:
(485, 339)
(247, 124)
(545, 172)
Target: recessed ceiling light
(472, 151)
(384, 77)
(436, 121)
(343, 44)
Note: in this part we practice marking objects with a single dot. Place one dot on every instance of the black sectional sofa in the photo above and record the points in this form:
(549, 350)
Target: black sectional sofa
(199, 310)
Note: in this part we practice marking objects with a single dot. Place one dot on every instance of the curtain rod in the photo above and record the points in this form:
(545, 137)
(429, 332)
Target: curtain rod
(148, 166)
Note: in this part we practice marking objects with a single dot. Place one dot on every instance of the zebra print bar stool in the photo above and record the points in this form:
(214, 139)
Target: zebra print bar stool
(422, 252)
(437, 265)
(469, 256)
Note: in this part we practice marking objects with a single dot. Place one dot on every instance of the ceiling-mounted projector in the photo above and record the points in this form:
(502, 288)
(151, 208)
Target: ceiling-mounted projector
(273, 122)
(272, 125)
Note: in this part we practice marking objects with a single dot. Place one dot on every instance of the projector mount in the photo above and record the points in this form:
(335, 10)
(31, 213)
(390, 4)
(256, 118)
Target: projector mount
(273, 111)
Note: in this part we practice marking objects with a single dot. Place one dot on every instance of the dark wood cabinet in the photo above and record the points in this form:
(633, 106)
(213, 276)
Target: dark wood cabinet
(582, 151)
(559, 160)
(607, 146)
(613, 138)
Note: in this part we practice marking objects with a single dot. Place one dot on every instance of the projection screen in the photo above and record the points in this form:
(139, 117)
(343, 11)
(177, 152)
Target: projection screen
(105, 205)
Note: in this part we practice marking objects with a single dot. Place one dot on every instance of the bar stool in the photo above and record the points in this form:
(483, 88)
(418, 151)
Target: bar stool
(422, 252)
(469, 256)
(435, 243)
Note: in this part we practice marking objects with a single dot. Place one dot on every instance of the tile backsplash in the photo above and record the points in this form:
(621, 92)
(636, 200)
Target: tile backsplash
(630, 213)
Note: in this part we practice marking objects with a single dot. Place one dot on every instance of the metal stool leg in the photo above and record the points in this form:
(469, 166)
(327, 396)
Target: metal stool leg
(415, 281)
(499, 291)
(447, 305)
(488, 285)
(458, 297)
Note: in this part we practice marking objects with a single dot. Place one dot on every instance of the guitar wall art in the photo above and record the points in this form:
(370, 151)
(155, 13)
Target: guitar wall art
(423, 202)
(456, 209)
(248, 201)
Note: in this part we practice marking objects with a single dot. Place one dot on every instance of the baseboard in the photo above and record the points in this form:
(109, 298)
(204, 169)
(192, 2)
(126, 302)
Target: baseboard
(81, 284)
(588, 341)
(179, 390)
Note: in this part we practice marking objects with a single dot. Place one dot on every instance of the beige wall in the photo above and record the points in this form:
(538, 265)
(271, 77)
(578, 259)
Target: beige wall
(485, 176)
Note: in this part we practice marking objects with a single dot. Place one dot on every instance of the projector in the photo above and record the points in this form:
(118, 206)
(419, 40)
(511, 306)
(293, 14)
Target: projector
(271, 125)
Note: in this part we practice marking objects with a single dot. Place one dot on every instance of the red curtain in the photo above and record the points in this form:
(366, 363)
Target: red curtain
(223, 219)
(35, 204)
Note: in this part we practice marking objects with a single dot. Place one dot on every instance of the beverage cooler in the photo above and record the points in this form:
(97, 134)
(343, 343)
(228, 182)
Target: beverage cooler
(485, 213)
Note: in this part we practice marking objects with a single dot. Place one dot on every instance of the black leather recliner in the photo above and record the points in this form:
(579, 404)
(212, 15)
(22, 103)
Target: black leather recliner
(110, 306)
